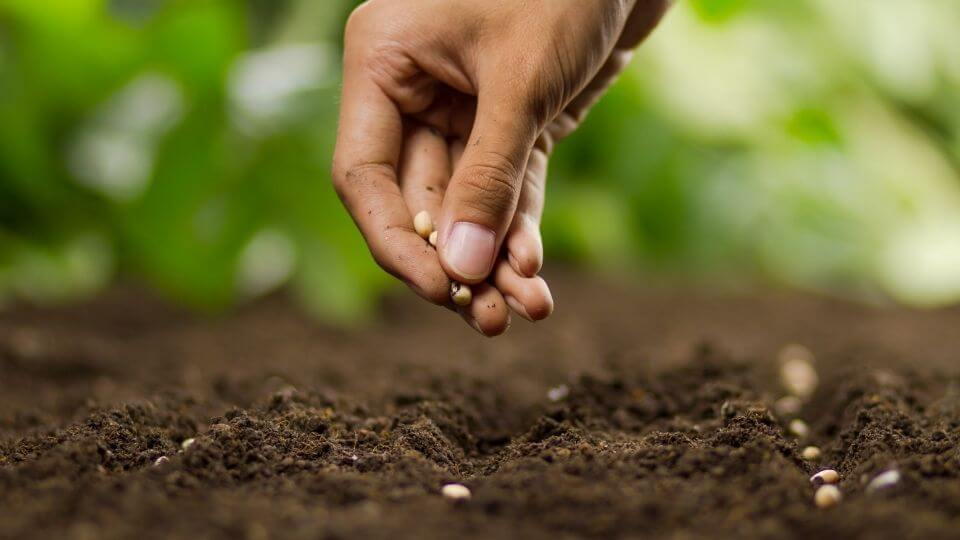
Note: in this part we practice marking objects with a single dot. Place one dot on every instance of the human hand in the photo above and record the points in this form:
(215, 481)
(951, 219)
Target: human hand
(453, 107)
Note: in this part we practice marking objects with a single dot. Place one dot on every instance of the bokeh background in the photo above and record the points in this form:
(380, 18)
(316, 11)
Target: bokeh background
(187, 144)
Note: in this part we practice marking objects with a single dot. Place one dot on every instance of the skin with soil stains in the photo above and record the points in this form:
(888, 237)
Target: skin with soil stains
(666, 429)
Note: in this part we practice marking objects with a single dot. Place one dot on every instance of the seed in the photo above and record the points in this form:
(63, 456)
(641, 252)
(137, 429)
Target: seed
(788, 406)
(883, 481)
(826, 496)
(558, 392)
(461, 294)
(799, 428)
(826, 476)
(810, 453)
(423, 224)
(455, 492)
(161, 461)
(187, 443)
(797, 373)
(433, 239)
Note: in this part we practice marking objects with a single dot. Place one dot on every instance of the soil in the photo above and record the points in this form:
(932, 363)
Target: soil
(661, 422)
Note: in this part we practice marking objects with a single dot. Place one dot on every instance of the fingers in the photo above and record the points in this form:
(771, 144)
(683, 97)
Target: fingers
(524, 245)
(488, 313)
(643, 19)
(482, 195)
(529, 297)
(424, 169)
(364, 175)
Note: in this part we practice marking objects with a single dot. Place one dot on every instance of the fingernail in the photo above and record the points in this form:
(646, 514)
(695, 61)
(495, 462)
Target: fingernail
(469, 250)
(476, 326)
(516, 306)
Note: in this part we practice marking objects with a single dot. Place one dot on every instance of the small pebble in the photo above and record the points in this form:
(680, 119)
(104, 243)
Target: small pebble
(810, 453)
(423, 224)
(884, 480)
(826, 476)
(455, 492)
(799, 428)
(558, 392)
(162, 460)
(187, 443)
(788, 406)
(433, 239)
(460, 294)
(826, 496)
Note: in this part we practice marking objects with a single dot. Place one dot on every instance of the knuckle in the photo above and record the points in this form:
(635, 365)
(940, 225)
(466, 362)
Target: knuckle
(493, 186)
(359, 178)
(388, 64)
(337, 175)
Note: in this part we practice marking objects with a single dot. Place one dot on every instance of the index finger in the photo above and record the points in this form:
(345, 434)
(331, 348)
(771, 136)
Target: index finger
(367, 152)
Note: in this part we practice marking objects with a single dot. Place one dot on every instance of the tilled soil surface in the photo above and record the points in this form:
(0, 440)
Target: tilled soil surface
(629, 414)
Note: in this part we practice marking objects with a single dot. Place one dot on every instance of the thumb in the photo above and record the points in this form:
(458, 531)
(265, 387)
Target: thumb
(482, 196)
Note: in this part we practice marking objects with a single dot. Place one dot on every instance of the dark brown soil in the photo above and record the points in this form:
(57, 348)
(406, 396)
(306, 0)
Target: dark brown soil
(305, 432)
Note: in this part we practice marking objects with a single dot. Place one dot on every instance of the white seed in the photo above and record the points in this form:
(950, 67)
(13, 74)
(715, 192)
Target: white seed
(883, 481)
(558, 392)
(788, 406)
(460, 294)
(826, 496)
(799, 428)
(433, 239)
(810, 453)
(826, 476)
(455, 492)
(423, 224)
(187, 443)
(161, 461)
(799, 376)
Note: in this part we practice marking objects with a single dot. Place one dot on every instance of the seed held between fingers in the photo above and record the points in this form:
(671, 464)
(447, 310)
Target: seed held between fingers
(423, 224)
(460, 294)
(433, 239)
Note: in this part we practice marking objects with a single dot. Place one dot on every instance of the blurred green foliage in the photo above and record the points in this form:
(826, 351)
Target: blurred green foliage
(187, 142)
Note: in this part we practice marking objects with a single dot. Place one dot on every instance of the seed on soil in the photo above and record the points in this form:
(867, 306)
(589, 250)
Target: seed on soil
(433, 239)
(810, 453)
(187, 443)
(161, 461)
(884, 480)
(460, 294)
(558, 392)
(797, 373)
(455, 492)
(826, 496)
(423, 224)
(799, 428)
(788, 406)
(826, 476)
